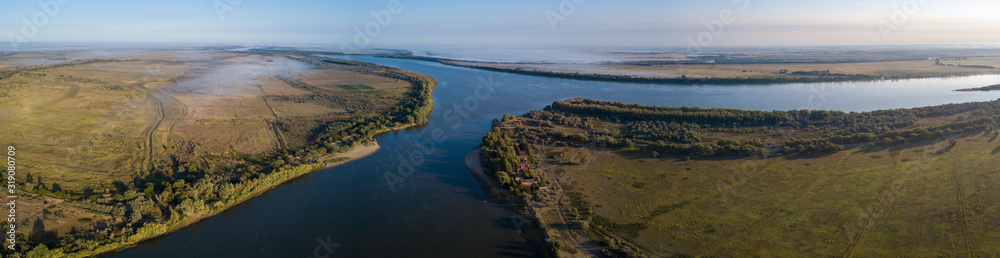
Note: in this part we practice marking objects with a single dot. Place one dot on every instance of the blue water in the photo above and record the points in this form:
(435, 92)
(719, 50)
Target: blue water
(379, 207)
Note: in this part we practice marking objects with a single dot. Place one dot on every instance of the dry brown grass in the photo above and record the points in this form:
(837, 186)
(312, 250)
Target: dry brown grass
(225, 136)
(291, 109)
(87, 125)
(331, 78)
(272, 86)
(990, 61)
(93, 126)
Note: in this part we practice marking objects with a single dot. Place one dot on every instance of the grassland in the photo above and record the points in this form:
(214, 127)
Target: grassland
(893, 202)
(120, 149)
(750, 66)
(891, 69)
(98, 118)
(920, 197)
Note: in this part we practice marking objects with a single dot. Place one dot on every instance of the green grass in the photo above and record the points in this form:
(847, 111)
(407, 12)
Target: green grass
(905, 203)
(355, 87)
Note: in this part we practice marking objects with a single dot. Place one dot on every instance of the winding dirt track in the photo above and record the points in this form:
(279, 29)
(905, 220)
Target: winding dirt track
(149, 136)
(274, 127)
(585, 245)
(164, 103)
(966, 235)
(877, 208)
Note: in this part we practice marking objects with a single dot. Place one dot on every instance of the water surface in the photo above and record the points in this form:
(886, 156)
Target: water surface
(401, 202)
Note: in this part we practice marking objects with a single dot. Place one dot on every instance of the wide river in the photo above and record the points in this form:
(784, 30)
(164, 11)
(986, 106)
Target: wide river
(415, 197)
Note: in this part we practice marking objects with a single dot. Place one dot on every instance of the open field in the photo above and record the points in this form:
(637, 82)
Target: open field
(106, 121)
(913, 196)
(727, 66)
(902, 201)
(731, 66)
(981, 61)
(893, 69)
(104, 143)
(795, 54)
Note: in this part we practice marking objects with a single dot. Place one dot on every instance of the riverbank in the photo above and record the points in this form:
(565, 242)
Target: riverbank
(755, 74)
(524, 215)
(810, 77)
(356, 153)
(551, 238)
(788, 76)
(492, 189)
(277, 178)
(361, 144)
(987, 88)
(156, 231)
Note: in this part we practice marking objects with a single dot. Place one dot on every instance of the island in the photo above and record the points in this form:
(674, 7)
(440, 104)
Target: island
(987, 88)
(616, 179)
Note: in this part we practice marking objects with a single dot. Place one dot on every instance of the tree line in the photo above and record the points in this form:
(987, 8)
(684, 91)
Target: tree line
(176, 192)
(682, 130)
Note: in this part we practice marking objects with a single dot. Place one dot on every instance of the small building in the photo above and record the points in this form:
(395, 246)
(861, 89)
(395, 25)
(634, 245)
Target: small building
(524, 164)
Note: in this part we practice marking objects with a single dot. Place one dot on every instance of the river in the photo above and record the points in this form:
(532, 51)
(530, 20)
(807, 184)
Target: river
(415, 197)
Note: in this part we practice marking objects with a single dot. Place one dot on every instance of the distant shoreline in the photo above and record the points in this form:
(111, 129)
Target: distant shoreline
(683, 80)
(987, 88)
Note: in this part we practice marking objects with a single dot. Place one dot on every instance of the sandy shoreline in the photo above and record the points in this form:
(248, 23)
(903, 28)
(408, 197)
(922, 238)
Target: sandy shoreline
(493, 190)
(357, 152)
(532, 231)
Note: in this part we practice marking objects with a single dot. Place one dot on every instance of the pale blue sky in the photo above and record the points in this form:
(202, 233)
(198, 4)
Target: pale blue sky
(511, 22)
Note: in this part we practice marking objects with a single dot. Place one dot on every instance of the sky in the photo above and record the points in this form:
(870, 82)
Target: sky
(386, 23)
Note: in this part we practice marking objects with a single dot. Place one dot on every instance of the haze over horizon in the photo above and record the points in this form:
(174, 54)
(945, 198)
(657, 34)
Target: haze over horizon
(644, 23)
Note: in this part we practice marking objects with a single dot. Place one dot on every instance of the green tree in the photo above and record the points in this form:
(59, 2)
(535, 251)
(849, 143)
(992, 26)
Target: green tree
(150, 191)
(42, 251)
(168, 194)
(130, 194)
(628, 144)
